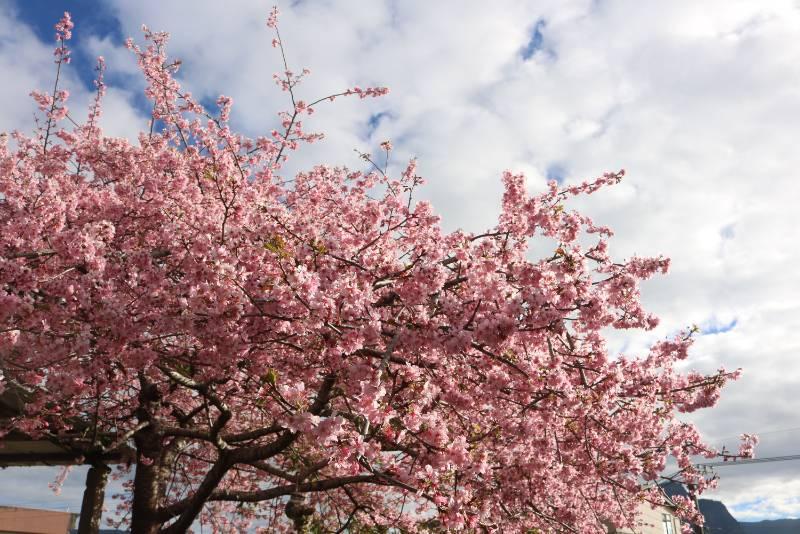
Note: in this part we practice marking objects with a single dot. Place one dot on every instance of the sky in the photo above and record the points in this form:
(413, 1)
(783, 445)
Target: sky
(699, 101)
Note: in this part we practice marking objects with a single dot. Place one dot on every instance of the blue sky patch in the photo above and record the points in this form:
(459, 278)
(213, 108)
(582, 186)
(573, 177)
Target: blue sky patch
(375, 121)
(557, 172)
(747, 506)
(713, 326)
(536, 41)
(91, 18)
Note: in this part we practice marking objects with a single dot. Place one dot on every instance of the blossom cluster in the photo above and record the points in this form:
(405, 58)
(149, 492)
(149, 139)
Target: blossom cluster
(252, 338)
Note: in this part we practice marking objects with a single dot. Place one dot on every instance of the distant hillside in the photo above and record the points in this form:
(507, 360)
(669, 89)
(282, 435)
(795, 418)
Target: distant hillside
(777, 526)
(718, 519)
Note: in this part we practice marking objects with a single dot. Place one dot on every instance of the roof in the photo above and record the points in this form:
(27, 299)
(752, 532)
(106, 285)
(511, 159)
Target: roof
(19, 449)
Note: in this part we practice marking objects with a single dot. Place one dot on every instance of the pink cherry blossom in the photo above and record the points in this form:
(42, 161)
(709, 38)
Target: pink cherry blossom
(317, 349)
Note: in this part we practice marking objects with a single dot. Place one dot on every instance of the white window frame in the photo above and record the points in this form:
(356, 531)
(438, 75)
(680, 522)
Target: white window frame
(668, 524)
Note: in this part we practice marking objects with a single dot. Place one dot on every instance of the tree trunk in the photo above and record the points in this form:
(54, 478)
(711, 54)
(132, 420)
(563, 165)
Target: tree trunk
(146, 484)
(299, 512)
(145, 496)
(93, 496)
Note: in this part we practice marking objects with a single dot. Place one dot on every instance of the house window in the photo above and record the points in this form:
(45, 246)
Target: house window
(669, 527)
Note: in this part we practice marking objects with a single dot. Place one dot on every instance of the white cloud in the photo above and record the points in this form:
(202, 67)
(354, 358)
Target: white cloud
(783, 499)
(698, 101)
(28, 64)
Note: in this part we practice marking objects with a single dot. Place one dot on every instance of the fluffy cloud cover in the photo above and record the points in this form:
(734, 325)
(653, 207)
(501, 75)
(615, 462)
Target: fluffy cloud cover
(698, 101)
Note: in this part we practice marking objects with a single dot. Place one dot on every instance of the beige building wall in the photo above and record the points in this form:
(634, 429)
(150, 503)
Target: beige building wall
(15, 520)
(659, 521)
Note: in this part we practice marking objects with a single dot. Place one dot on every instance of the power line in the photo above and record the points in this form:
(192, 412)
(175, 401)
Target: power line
(729, 463)
(750, 461)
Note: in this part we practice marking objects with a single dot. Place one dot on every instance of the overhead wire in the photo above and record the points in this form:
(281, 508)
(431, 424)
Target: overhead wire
(750, 461)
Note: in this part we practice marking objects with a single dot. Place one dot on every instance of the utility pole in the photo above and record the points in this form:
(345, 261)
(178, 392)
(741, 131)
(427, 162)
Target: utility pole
(697, 529)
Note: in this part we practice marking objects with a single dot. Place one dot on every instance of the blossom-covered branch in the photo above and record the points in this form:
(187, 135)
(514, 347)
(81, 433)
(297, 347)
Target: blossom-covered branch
(317, 349)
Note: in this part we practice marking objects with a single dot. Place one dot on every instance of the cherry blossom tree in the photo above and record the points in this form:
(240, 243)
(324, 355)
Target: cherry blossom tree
(315, 351)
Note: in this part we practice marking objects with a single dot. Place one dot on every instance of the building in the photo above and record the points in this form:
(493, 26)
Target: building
(14, 520)
(659, 520)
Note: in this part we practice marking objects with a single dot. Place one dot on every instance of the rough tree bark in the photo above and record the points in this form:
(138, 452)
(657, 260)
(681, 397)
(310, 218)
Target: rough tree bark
(148, 449)
(93, 496)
